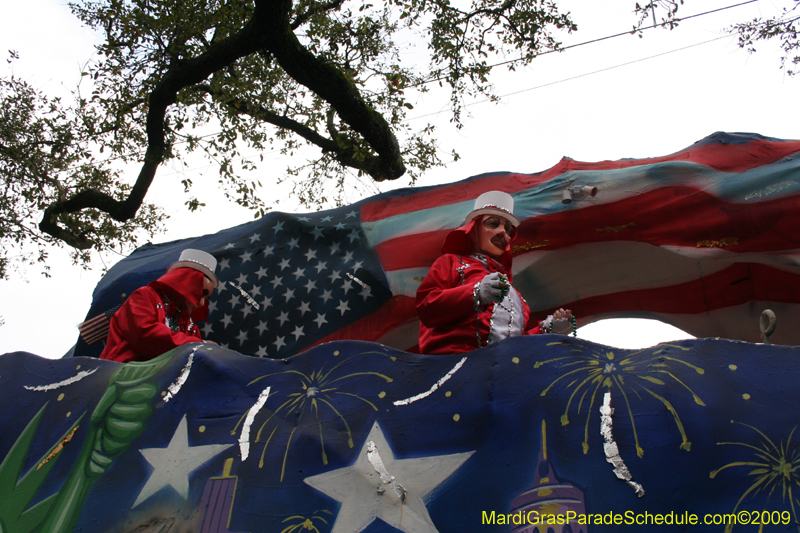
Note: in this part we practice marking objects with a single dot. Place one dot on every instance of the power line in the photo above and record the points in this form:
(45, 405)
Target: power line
(582, 75)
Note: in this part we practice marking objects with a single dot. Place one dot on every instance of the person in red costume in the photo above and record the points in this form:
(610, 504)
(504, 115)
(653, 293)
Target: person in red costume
(162, 315)
(467, 301)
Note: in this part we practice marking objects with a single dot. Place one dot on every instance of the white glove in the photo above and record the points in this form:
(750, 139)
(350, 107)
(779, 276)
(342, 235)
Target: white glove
(489, 290)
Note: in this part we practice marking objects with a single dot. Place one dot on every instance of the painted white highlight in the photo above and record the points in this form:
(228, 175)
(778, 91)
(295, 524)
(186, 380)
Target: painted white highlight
(375, 458)
(610, 447)
(244, 438)
(69, 381)
(173, 389)
(435, 385)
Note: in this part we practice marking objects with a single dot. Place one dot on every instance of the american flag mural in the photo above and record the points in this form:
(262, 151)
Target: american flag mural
(703, 239)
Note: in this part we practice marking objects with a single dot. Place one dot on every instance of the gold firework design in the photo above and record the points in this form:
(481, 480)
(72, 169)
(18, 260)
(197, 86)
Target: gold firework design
(301, 523)
(589, 372)
(313, 395)
(775, 467)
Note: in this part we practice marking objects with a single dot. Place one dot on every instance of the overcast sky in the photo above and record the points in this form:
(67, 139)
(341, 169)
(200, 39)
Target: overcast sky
(627, 97)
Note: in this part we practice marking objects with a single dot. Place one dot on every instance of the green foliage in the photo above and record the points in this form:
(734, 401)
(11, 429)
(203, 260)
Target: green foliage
(234, 78)
(47, 155)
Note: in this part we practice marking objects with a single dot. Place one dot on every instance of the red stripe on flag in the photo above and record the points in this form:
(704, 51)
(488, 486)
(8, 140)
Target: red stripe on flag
(722, 157)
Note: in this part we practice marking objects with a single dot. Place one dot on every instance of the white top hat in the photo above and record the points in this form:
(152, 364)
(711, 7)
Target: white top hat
(198, 260)
(495, 203)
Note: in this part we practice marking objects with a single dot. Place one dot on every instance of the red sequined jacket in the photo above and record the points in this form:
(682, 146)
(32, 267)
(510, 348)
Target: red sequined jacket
(449, 320)
(150, 323)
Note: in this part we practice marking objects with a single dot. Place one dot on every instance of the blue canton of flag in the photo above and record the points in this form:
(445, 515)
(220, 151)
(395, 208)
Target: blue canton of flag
(292, 280)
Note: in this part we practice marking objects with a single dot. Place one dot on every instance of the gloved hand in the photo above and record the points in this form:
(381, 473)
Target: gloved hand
(492, 288)
(560, 322)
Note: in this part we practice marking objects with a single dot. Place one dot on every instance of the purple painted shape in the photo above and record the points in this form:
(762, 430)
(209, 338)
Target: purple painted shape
(217, 501)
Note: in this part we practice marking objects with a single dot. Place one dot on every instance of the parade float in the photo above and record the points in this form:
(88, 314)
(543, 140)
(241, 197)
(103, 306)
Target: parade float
(314, 413)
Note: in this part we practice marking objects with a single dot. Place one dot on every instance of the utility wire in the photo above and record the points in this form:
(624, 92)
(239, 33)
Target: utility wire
(582, 75)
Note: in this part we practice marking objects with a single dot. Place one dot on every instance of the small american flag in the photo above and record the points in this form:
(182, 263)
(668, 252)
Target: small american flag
(96, 329)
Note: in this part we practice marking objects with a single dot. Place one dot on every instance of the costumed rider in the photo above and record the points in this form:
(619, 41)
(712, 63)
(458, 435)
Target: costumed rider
(163, 315)
(467, 301)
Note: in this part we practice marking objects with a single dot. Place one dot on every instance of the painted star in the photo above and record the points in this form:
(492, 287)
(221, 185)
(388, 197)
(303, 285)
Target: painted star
(310, 254)
(284, 264)
(262, 351)
(294, 243)
(241, 337)
(246, 257)
(326, 295)
(255, 291)
(353, 235)
(242, 279)
(289, 294)
(380, 486)
(320, 320)
(254, 237)
(299, 273)
(348, 257)
(207, 329)
(262, 327)
(174, 464)
(229, 246)
(327, 219)
(268, 250)
(357, 265)
(347, 285)
(365, 293)
(334, 276)
(304, 308)
(262, 272)
(234, 301)
(340, 225)
(343, 306)
(321, 266)
(212, 306)
(246, 310)
(226, 320)
(317, 232)
(279, 343)
(276, 281)
(283, 317)
(311, 285)
(351, 214)
(278, 226)
(223, 264)
(298, 332)
(335, 247)
(266, 302)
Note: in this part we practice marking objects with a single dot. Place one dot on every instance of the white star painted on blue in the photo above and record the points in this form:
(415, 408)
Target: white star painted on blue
(223, 264)
(310, 254)
(320, 320)
(234, 301)
(262, 327)
(304, 219)
(229, 246)
(283, 317)
(212, 306)
(242, 279)
(365, 293)
(340, 225)
(246, 310)
(342, 306)
(351, 214)
(357, 265)
(241, 337)
(299, 273)
(334, 247)
(311, 285)
(279, 343)
(268, 250)
(173, 465)
(298, 332)
(206, 328)
(321, 266)
(266, 302)
(289, 294)
(326, 295)
(304, 308)
(347, 286)
(278, 226)
(326, 219)
(246, 257)
(294, 243)
(284, 264)
(255, 291)
(262, 351)
(261, 273)
(415, 479)
(316, 232)
(226, 320)
(334, 275)
(353, 235)
(254, 237)
(276, 282)
(348, 257)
